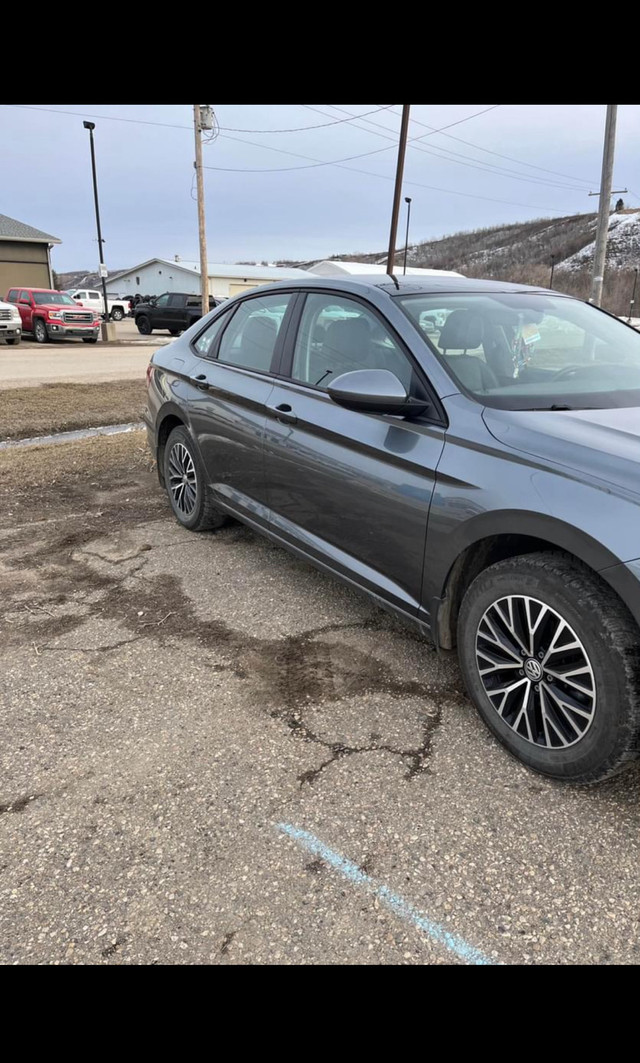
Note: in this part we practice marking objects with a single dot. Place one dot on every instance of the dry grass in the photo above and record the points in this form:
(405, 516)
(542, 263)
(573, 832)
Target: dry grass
(26, 412)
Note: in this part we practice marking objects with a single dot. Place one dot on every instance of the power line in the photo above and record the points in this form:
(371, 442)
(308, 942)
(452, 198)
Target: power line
(302, 128)
(367, 173)
(320, 162)
(168, 125)
(473, 164)
(510, 158)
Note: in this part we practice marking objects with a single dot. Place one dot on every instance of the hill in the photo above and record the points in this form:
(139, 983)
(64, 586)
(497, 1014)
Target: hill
(523, 252)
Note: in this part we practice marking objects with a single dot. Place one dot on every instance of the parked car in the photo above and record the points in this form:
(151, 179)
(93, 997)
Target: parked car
(51, 315)
(175, 311)
(10, 324)
(94, 300)
(495, 504)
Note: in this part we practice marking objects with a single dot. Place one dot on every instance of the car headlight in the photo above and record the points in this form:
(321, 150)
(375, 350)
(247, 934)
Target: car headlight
(56, 315)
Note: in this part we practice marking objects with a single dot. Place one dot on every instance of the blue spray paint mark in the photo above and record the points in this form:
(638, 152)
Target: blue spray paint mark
(394, 901)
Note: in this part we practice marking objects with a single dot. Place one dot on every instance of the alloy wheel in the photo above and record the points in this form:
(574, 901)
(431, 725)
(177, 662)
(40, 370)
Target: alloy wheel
(535, 672)
(183, 482)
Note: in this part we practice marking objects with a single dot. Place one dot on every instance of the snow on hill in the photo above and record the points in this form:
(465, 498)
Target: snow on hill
(623, 245)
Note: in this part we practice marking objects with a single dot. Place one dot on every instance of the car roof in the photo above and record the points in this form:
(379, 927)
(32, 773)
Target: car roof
(410, 285)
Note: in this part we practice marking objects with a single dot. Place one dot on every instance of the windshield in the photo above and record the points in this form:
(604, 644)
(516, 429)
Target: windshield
(43, 298)
(523, 351)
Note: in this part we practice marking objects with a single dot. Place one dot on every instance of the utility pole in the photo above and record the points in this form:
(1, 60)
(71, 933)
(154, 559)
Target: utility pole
(606, 181)
(202, 232)
(402, 147)
(553, 262)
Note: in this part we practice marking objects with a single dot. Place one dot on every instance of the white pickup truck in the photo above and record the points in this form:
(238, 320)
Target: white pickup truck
(89, 297)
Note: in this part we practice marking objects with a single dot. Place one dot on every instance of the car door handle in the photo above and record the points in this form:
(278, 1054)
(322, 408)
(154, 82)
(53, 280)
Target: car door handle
(283, 413)
(200, 381)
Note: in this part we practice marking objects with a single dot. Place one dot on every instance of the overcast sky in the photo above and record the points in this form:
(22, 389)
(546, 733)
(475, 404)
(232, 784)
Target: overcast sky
(145, 175)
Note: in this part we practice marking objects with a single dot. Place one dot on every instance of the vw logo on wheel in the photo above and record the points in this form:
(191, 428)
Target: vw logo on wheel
(532, 670)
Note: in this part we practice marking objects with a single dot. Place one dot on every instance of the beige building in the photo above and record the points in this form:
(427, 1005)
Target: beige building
(24, 255)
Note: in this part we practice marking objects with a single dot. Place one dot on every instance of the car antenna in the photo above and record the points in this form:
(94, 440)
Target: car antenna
(395, 280)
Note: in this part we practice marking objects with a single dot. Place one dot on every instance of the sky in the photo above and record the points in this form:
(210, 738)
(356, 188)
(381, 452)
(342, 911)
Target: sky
(266, 198)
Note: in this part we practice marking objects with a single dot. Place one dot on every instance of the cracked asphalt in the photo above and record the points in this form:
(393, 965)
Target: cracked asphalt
(170, 699)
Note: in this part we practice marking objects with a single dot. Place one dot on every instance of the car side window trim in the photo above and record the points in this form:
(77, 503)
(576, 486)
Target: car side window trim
(290, 339)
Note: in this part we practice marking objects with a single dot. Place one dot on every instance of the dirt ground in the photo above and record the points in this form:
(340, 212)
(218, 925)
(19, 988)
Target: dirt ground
(35, 411)
(213, 753)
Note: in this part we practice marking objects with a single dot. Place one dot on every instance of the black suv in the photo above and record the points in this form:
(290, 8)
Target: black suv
(175, 311)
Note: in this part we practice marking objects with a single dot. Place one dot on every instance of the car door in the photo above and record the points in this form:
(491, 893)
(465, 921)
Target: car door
(175, 312)
(160, 311)
(351, 489)
(230, 386)
(26, 309)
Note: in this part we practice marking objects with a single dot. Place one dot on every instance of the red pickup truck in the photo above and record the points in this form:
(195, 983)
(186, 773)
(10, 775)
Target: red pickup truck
(50, 315)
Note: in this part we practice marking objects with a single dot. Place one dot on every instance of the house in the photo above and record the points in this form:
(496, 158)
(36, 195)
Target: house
(24, 255)
(334, 268)
(158, 275)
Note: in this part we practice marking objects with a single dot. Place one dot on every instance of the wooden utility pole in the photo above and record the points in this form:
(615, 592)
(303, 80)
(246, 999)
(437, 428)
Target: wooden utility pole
(402, 147)
(600, 254)
(202, 232)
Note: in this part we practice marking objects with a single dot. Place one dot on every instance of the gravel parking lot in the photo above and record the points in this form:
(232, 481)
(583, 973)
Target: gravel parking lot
(212, 753)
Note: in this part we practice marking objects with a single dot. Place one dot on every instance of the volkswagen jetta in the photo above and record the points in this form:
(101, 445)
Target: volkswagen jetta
(466, 452)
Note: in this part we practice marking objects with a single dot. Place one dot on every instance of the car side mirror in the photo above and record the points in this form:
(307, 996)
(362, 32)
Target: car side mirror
(374, 391)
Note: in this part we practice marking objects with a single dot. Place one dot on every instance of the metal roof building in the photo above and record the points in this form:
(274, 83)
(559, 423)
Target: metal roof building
(334, 268)
(158, 275)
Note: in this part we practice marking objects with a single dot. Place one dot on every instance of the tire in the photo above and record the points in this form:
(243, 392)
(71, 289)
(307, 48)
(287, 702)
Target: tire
(40, 334)
(194, 511)
(89, 339)
(144, 325)
(14, 341)
(601, 644)
(117, 313)
(175, 331)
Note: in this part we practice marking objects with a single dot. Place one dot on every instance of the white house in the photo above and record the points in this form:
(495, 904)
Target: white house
(159, 275)
(331, 268)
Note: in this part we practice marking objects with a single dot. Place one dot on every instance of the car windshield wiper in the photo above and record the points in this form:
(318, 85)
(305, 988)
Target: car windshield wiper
(559, 406)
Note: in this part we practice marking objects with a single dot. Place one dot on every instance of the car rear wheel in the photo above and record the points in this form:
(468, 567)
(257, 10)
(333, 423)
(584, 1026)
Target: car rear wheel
(13, 341)
(39, 330)
(551, 658)
(117, 313)
(186, 484)
(89, 339)
(175, 331)
(144, 326)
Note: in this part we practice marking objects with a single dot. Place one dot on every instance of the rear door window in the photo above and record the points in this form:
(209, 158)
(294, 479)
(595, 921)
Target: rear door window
(250, 341)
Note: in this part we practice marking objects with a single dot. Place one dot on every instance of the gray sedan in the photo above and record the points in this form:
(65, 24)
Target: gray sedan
(480, 479)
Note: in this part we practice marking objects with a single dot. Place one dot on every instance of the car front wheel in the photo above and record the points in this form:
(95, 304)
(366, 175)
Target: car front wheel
(144, 326)
(40, 331)
(551, 658)
(186, 484)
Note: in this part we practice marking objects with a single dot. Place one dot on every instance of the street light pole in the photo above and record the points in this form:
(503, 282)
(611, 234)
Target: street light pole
(553, 262)
(633, 294)
(402, 147)
(407, 200)
(105, 316)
